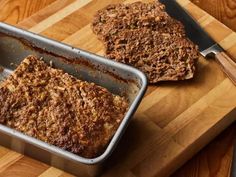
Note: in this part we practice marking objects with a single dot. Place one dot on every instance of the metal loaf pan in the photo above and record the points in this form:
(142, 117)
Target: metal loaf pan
(16, 44)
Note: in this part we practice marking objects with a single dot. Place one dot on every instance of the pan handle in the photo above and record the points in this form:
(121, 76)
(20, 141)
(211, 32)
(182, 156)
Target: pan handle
(228, 65)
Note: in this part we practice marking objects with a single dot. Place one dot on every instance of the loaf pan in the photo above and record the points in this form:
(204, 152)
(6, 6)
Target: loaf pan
(16, 44)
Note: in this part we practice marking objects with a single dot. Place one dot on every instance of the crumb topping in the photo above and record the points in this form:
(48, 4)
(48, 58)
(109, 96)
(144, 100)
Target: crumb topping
(57, 108)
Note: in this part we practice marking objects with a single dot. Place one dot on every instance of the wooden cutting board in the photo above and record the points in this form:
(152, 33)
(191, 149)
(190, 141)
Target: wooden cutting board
(174, 120)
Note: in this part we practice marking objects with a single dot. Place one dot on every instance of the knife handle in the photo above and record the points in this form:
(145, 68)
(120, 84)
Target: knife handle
(228, 65)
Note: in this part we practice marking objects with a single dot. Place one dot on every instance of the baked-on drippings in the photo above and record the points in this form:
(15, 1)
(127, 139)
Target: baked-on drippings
(59, 109)
(145, 36)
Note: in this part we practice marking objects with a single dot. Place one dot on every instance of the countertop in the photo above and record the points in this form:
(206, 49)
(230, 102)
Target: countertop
(212, 161)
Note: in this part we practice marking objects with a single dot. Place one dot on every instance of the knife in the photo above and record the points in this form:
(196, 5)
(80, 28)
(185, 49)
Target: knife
(207, 46)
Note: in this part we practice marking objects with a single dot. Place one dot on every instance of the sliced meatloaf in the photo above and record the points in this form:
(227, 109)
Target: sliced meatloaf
(145, 36)
(161, 56)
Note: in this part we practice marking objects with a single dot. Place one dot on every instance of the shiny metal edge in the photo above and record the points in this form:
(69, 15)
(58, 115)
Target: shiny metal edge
(213, 50)
(58, 151)
(193, 30)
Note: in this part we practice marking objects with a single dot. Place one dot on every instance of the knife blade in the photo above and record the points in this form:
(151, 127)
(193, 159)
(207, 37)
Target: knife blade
(207, 46)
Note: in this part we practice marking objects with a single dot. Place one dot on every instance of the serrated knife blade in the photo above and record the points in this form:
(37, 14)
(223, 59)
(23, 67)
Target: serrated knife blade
(207, 46)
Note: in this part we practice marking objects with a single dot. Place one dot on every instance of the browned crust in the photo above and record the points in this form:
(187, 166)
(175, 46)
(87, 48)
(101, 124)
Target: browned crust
(59, 109)
(145, 36)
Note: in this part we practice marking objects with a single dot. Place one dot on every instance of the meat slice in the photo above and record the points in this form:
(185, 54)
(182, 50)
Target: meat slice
(161, 56)
(145, 36)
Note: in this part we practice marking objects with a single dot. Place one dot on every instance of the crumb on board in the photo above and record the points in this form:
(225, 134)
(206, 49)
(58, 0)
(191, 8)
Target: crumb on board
(51, 63)
(13, 64)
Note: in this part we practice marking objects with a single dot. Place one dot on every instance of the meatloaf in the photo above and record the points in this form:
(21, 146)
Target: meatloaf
(145, 36)
(59, 109)
(118, 17)
(161, 56)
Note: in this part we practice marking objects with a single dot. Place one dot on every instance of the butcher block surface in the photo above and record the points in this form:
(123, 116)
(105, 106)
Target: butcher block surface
(175, 119)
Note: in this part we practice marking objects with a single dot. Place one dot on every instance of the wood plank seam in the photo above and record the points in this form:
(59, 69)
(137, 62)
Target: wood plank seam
(59, 15)
(168, 134)
(33, 20)
(210, 97)
(51, 172)
(8, 159)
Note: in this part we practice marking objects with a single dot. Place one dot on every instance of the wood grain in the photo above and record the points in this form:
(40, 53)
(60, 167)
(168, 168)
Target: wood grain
(44, 13)
(13, 11)
(212, 161)
(223, 10)
(228, 65)
(24, 167)
(174, 120)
